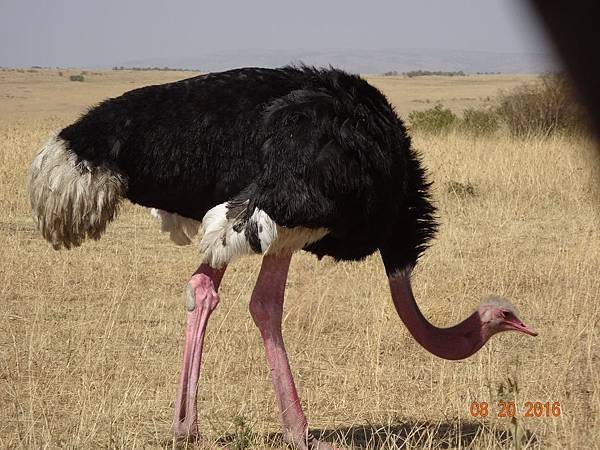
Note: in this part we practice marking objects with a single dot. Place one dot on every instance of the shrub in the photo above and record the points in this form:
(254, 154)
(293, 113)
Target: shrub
(545, 107)
(425, 73)
(242, 438)
(461, 190)
(479, 122)
(77, 78)
(433, 120)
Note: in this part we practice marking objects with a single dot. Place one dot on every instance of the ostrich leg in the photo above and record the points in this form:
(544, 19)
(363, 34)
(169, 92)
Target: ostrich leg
(201, 300)
(266, 308)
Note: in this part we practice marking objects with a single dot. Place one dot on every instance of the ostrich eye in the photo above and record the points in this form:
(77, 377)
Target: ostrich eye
(507, 314)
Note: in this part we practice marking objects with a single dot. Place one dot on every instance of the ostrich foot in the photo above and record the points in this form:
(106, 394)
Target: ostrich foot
(307, 442)
(314, 444)
(185, 432)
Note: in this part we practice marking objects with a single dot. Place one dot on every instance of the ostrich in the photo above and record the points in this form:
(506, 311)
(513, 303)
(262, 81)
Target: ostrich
(267, 162)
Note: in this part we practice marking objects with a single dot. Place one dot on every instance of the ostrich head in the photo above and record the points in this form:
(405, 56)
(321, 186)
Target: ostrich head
(463, 339)
(497, 314)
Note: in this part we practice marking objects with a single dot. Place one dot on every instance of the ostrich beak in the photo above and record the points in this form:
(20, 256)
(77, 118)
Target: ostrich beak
(514, 323)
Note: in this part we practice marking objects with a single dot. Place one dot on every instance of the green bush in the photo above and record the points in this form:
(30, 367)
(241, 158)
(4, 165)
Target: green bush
(77, 78)
(242, 438)
(433, 120)
(479, 122)
(543, 108)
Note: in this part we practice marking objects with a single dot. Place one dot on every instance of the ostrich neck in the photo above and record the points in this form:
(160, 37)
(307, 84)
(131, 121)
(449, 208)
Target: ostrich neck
(457, 342)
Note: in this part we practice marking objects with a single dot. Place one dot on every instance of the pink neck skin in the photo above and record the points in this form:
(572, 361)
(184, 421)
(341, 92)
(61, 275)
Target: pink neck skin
(457, 342)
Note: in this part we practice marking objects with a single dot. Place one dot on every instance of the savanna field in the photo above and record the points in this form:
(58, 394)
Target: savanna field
(91, 339)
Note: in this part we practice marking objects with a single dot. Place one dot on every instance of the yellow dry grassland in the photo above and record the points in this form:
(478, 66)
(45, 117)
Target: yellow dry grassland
(91, 339)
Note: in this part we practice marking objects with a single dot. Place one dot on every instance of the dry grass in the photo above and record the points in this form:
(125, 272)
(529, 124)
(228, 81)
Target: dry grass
(90, 340)
(456, 93)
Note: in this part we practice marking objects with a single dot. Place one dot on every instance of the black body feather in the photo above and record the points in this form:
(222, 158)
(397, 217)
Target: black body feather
(312, 148)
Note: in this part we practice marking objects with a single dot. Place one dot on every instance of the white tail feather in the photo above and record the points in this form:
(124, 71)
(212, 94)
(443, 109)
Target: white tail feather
(71, 200)
(182, 230)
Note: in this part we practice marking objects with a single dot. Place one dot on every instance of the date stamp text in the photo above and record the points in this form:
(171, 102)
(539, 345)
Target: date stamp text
(511, 409)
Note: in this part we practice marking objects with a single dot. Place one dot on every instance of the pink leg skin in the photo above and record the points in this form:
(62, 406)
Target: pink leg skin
(266, 307)
(201, 300)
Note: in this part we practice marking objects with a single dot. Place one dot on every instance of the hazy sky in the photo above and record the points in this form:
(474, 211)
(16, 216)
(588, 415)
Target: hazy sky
(110, 32)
